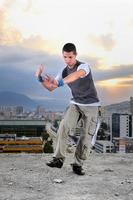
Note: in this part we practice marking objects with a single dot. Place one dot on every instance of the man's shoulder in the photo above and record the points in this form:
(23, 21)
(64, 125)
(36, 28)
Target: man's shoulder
(84, 63)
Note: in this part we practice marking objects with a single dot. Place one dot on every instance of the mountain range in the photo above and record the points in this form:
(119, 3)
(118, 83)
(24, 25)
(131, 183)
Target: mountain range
(8, 98)
(122, 107)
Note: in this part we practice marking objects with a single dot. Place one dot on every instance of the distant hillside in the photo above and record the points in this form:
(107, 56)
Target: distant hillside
(53, 104)
(118, 107)
(15, 99)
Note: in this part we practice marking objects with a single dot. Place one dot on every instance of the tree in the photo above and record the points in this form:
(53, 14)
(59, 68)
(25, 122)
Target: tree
(104, 126)
(55, 123)
(48, 148)
(45, 136)
(101, 134)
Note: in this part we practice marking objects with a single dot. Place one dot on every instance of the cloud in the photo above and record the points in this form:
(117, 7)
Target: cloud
(117, 82)
(120, 71)
(95, 62)
(8, 34)
(38, 43)
(128, 82)
(114, 95)
(107, 42)
(115, 85)
(17, 71)
(130, 23)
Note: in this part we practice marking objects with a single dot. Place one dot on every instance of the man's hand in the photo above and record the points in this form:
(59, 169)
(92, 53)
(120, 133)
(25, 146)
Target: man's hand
(50, 79)
(49, 85)
(39, 71)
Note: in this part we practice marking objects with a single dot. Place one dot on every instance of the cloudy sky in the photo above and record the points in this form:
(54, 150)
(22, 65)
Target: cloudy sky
(33, 32)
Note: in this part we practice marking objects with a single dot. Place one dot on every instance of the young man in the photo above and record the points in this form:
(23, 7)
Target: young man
(77, 75)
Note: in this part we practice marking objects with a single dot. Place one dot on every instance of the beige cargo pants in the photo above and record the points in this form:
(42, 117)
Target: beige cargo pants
(68, 123)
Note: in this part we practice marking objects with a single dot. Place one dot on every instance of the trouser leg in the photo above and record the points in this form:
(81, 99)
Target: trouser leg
(68, 123)
(90, 116)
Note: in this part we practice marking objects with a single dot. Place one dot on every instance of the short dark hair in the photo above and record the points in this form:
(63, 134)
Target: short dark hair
(68, 47)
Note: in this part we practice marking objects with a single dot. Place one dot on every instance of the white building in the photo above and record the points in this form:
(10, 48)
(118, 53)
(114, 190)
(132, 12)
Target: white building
(103, 146)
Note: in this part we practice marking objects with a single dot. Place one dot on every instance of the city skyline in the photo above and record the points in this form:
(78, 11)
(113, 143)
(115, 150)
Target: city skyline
(34, 32)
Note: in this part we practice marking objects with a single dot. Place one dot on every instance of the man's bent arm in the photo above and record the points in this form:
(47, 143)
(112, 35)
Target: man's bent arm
(74, 76)
(70, 78)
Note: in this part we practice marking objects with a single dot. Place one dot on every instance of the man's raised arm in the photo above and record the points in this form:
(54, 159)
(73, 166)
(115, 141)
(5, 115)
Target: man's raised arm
(47, 82)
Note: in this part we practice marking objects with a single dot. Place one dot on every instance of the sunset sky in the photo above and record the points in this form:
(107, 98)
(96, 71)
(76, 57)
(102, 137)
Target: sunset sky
(33, 32)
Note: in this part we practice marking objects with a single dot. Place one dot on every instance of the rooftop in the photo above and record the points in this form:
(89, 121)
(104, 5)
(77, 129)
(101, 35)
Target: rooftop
(25, 176)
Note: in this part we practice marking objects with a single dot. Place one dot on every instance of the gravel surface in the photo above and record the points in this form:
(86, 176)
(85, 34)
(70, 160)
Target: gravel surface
(26, 177)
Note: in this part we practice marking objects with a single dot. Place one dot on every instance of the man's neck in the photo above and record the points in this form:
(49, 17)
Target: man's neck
(72, 66)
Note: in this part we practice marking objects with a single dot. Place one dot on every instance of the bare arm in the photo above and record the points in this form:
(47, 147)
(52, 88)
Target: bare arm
(52, 84)
(74, 76)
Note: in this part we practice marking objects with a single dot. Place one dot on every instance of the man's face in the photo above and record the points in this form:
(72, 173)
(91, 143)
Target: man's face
(69, 58)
